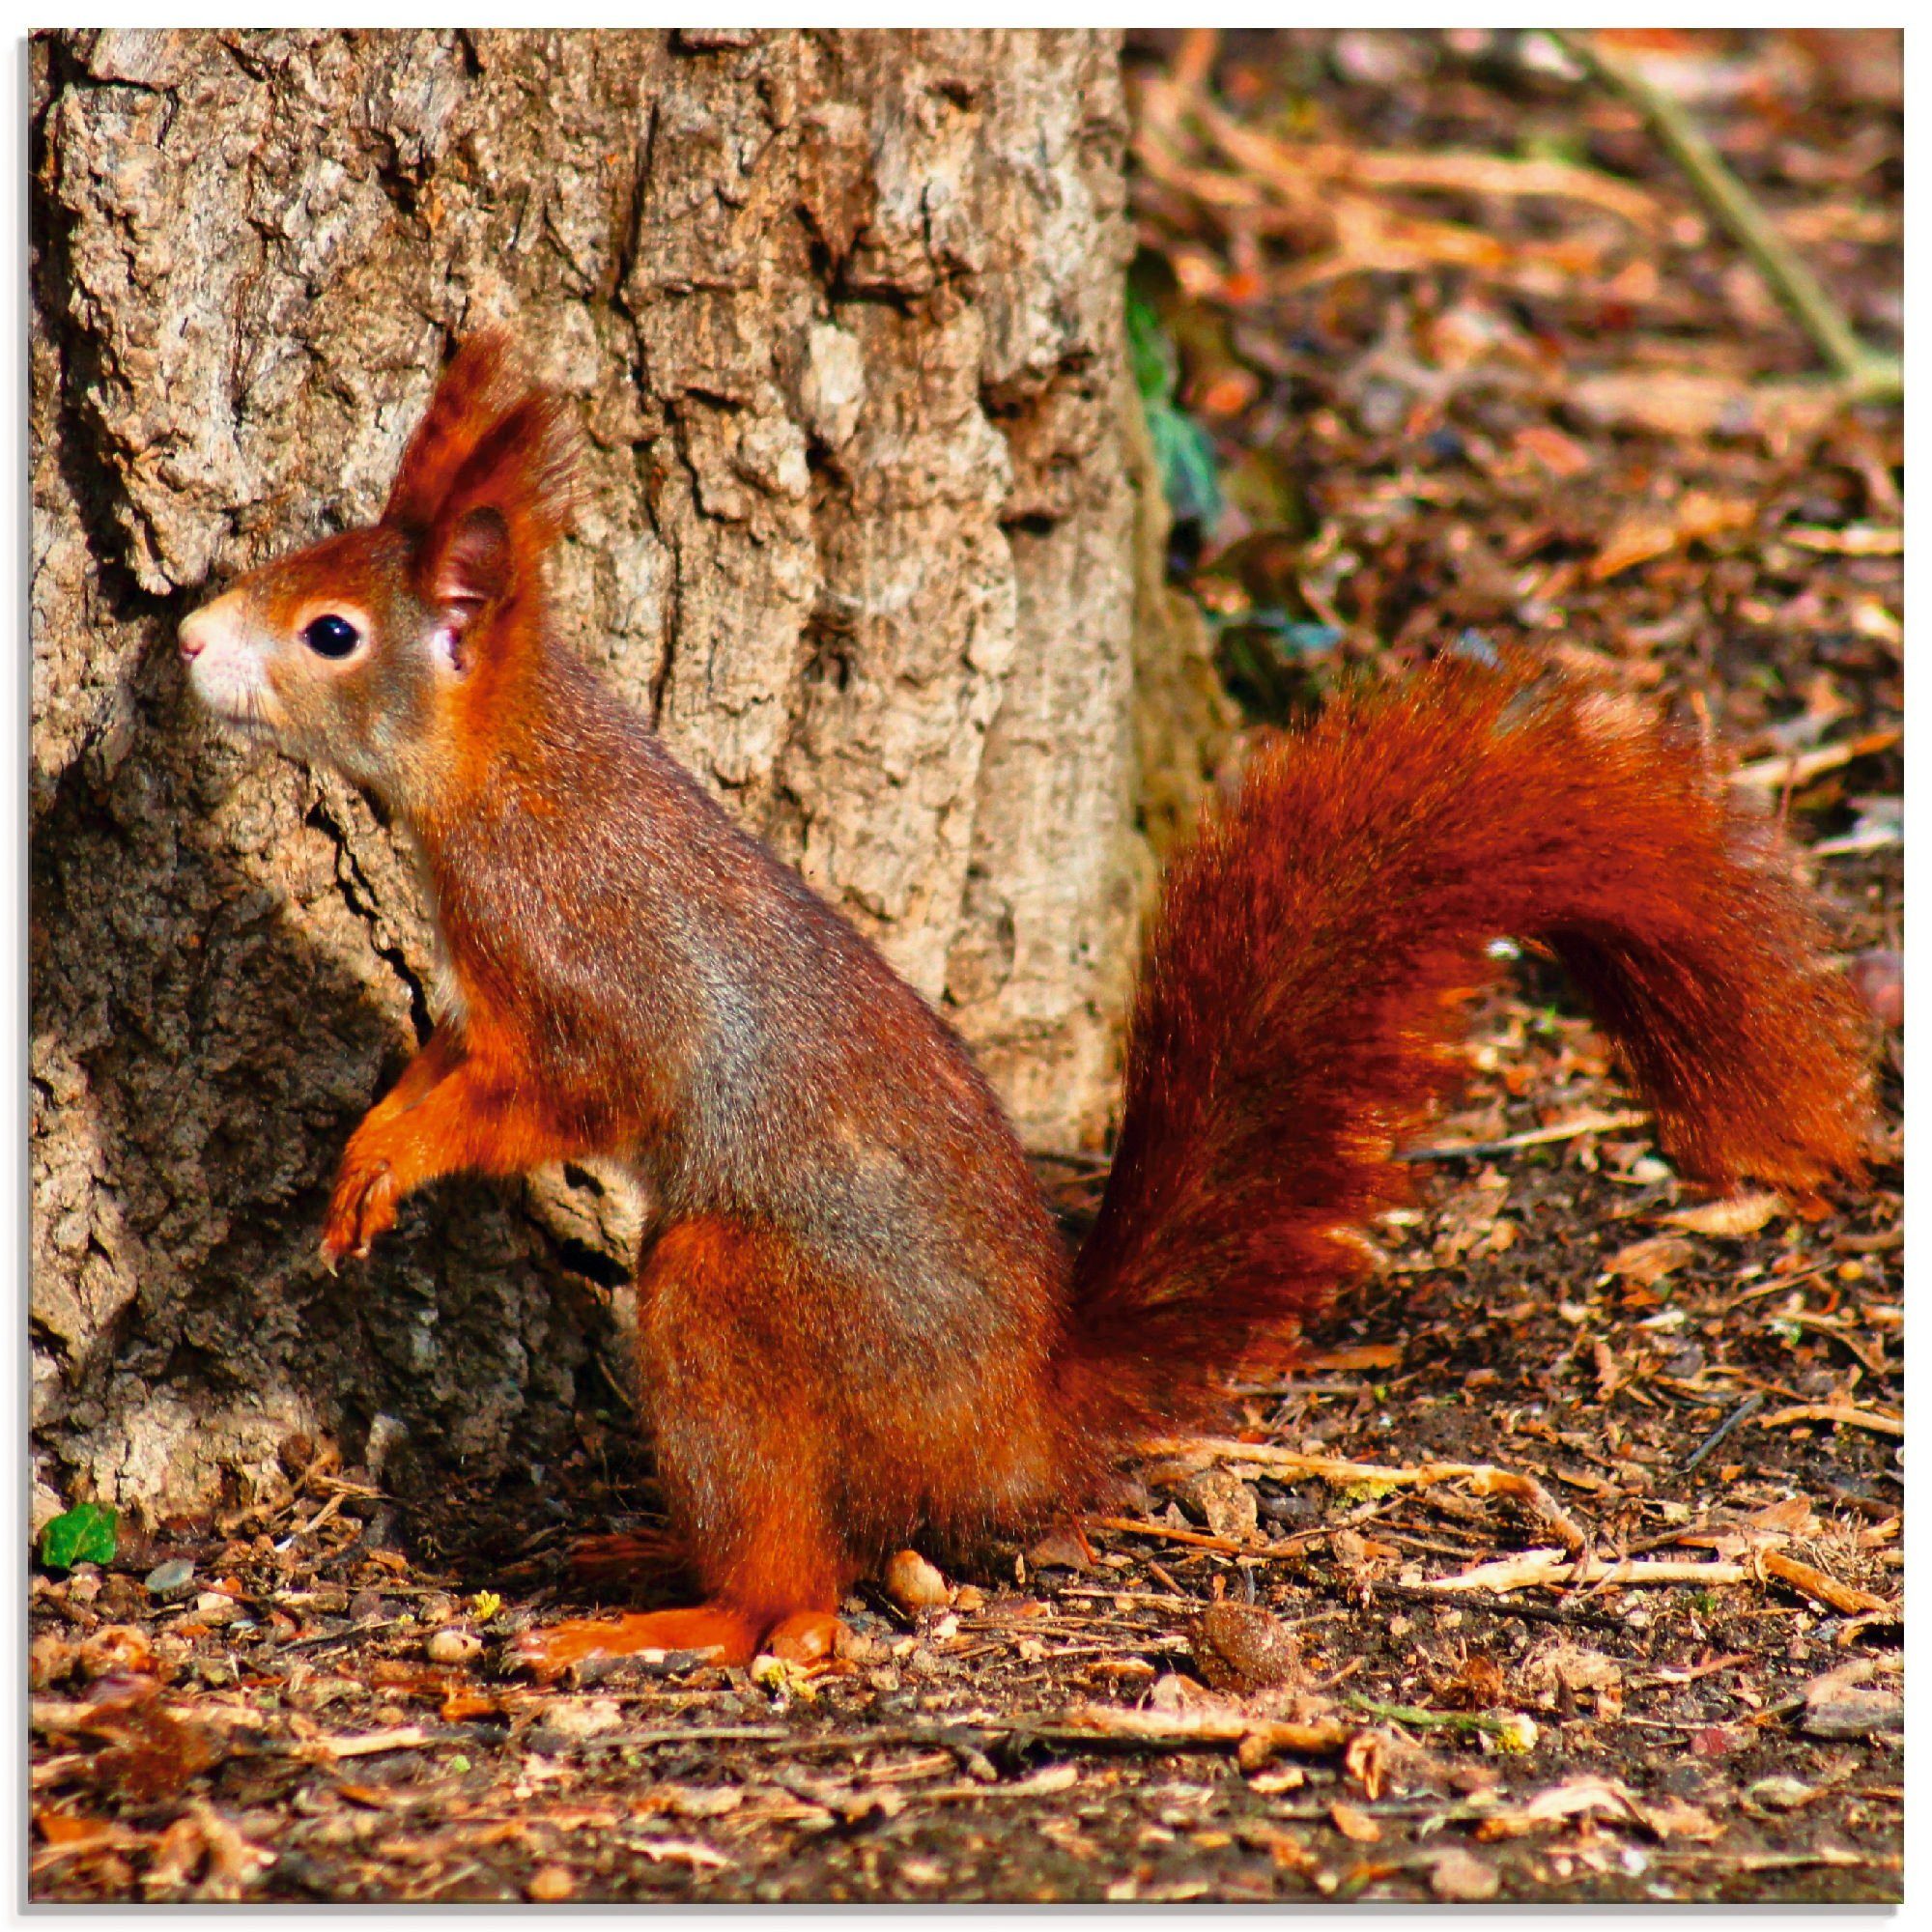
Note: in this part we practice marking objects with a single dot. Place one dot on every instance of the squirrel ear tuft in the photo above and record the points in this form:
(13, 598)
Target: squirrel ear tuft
(471, 560)
(481, 382)
(487, 486)
(491, 438)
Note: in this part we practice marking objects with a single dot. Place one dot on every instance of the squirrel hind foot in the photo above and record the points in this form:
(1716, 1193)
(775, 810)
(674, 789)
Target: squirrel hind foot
(732, 1636)
(808, 1636)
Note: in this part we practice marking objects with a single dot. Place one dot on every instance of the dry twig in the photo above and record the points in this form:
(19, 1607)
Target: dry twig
(1531, 1567)
(1578, 1124)
(1840, 1413)
(1823, 1589)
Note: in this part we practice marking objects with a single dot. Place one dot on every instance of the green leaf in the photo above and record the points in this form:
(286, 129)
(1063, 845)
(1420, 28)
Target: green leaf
(1151, 353)
(1187, 472)
(84, 1534)
(1182, 448)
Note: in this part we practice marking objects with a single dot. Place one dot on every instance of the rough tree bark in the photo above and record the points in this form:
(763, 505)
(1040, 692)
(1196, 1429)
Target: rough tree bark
(843, 314)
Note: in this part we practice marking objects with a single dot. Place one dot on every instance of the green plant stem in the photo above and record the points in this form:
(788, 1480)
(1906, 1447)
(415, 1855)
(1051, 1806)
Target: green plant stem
(1418, 1719)
(1868, 373)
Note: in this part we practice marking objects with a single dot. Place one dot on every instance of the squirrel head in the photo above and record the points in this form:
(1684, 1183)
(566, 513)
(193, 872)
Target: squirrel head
(392, 652)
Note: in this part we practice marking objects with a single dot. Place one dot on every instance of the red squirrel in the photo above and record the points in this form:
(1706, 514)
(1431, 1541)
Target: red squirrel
(856, 1319)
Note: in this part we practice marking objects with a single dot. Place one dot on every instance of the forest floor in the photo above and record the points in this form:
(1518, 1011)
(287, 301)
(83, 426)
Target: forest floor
(1566, 1565)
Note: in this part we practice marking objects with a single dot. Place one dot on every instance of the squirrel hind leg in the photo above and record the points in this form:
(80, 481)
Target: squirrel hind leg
(774, 1589)
(739, 1386)
(618, 1559)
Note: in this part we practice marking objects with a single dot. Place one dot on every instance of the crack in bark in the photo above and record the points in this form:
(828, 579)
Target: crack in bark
(84, 439)
(362, 899)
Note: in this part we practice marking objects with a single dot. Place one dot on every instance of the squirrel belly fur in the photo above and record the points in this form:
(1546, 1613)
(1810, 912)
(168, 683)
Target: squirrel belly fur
(856, 1319)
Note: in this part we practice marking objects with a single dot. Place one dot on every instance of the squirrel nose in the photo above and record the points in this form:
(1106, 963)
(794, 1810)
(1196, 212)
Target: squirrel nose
(204, 627)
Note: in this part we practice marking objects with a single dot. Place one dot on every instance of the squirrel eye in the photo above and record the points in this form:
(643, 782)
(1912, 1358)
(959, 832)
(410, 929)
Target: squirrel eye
(332, 637)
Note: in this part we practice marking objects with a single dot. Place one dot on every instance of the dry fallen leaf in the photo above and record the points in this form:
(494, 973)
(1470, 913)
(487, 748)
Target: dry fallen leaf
(1697, 516)
(235, 1862)
(1559, 454)
(681, 1851)
(1059, 1550)
(1602, 1797)
(1354, 1824)
(176, 1856)
(1230, 1505)
(68, 1828)
(1558, 1664)
(1461, 1876)
(1367, 1760)
(1646, 1263)
(1674, 1818)
(1792, 1516)
(1839, 1705)
(1735, 1215)
(1681, 403)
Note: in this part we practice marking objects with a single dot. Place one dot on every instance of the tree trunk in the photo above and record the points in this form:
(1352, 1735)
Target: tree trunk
(842, 316)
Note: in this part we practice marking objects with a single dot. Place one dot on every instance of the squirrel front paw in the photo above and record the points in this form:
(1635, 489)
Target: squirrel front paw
(362, 1206)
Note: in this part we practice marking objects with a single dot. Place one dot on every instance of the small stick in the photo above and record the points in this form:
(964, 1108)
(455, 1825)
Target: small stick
(1869, 374)
(1873, 1364)
(1783, 773)
(1756, 1861)
(369, 1627)
(1202, 1451)
(405, 1737)
(1750, 1406)
(1196, 1539)
(1044, 1784)
(1092, 1163)
(1826, 1412)
(1572, 1128)
(1158, 1599)
(1553, 1567)
(1695, 1673)
(1878, 838)
(691, 1734)
(1823, 1589)
(1169, 1730)
(1496, 1606)
(1487, 1481)
(1417, 1719)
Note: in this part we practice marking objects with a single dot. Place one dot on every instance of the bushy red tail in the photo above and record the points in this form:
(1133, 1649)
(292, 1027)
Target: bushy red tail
(1308, 967)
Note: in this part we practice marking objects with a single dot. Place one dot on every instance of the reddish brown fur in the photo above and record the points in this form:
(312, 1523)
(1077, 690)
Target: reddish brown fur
(855, 1320)
(480, 387)
(1314, 951)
